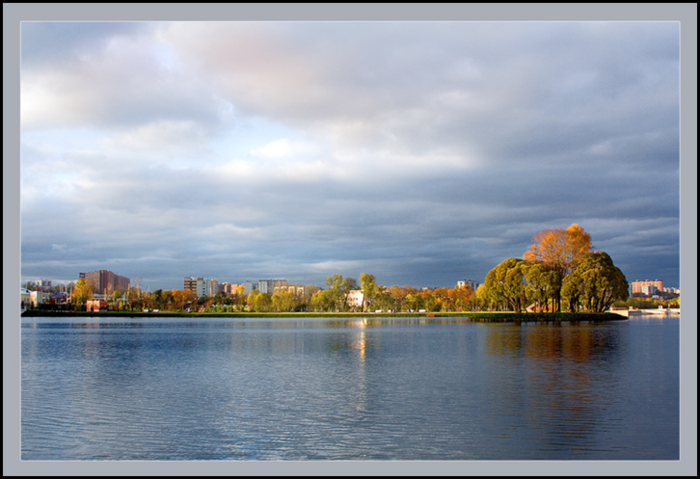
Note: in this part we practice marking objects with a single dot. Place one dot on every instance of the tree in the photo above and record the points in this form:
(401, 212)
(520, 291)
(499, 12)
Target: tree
(541, 285)
(322, 300)
(370, 289)
(181, 297)
(259, 301)
(480, 299)
(559, 250)
(238, 296)
(506, 282)
(442, 299)
(340, 288)
(283, 300)
(414, 301)
(462, 297)
(116, 296)
(305, 299)
(166, 300)
(398, 296)
(596, 283)
(83, 291)
(133, 297)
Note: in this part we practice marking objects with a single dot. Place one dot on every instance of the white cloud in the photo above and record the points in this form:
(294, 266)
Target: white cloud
(161, 138)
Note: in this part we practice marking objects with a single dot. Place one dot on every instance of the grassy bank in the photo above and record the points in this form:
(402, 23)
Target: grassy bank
(476, 316)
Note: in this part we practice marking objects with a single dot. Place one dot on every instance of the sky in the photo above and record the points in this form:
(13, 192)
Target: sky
(423, 153)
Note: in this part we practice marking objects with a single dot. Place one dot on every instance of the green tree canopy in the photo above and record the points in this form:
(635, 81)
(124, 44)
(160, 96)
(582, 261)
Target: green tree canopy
(542, 285)
(595, 284)
(506, 282)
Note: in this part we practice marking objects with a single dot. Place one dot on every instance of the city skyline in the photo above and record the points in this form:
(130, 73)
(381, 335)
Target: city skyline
(420, 152)
(190, 282)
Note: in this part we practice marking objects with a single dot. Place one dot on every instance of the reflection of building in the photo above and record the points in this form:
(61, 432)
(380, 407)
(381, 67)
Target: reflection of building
(638, 285)
(106, 281)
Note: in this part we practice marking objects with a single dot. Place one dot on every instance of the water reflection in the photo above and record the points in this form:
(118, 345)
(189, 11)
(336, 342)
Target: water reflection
(347, 389)
(577, 341)
(559, 386)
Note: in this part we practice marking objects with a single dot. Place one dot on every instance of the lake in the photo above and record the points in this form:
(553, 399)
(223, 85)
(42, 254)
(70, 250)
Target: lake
(311, 389)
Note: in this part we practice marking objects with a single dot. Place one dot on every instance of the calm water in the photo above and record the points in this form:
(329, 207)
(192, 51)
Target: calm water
(319, 389)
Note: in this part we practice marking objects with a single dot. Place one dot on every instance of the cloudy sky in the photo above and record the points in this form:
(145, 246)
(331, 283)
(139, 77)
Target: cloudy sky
(421, 152)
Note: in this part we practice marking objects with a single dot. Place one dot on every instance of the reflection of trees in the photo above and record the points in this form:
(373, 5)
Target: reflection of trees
(549, 340)
(550, 371)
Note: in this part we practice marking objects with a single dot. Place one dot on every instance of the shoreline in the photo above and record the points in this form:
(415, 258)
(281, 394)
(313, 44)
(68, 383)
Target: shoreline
(474, 316)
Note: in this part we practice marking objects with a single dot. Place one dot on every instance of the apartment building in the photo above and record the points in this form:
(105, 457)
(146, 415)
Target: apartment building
(228, 288)
(190, 283)
(201, 286)
(637, 286)
(106, 282)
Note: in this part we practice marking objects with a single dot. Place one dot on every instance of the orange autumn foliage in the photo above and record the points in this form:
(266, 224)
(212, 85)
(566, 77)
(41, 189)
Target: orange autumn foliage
(559, 249)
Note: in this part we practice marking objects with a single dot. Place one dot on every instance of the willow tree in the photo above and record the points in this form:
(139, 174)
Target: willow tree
(506, 282)
(596, 283)
(541, 285)
(559, 250)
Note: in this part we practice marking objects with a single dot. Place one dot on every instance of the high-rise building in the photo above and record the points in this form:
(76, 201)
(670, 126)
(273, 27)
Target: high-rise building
(279, 284)
(191, 283)
(248, 286)
(266, 286)
(637, 285)
(649, 289)
(269, 286)
(106, 282)
(200, 286)
(228, 288)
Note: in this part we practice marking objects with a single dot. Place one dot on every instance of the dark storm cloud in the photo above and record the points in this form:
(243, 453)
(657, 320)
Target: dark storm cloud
(423, 153)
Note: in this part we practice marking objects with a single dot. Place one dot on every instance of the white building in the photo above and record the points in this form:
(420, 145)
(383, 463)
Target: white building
(649, 289)
(355, 298)
(248, 286)
(265, 285)
(38, 297)
(24, 296)
(468, 282)
(207, 287)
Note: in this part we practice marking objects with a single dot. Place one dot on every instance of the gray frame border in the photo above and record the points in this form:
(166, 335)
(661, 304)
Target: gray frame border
(14, 13)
